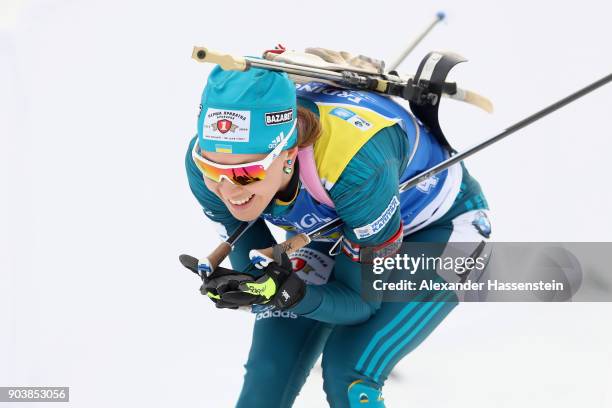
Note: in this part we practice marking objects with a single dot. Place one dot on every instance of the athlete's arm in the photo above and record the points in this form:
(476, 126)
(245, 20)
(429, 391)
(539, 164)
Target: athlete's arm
(257, 236)
(364, 197)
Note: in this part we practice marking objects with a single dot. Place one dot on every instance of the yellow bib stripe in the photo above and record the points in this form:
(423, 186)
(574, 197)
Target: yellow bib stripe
(344, 130)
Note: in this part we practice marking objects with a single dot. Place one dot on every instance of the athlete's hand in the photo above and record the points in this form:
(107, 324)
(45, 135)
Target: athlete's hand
(278, 286)
(223, 280)
(219, 281)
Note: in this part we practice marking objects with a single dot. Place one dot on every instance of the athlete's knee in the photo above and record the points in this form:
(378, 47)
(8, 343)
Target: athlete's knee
(336, 370)
(263, 368)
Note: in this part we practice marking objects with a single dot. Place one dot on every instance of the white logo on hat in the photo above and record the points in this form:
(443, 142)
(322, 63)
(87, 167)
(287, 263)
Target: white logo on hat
(276, 141)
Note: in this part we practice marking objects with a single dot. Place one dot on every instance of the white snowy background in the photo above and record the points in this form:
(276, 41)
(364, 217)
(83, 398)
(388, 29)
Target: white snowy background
(98, 100)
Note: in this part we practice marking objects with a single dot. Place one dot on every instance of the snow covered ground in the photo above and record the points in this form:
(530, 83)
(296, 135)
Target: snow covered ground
(97, 102)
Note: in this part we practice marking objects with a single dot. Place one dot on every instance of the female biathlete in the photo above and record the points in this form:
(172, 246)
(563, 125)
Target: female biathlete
(297, 157)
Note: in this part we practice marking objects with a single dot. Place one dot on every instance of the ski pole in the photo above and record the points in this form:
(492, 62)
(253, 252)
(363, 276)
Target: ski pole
(439, 17)
(300, 240)
(207, 265)
(204, 267)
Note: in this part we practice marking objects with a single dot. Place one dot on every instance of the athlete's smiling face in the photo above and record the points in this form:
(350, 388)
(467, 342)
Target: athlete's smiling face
(246, 203)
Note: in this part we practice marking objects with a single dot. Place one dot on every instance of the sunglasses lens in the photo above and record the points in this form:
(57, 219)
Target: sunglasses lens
(239, 175)
(247, 175)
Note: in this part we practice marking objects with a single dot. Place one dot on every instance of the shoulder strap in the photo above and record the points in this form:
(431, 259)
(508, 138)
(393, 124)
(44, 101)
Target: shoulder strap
(310, 177)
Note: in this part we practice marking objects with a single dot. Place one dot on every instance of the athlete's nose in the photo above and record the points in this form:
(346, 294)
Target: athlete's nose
(228, 189)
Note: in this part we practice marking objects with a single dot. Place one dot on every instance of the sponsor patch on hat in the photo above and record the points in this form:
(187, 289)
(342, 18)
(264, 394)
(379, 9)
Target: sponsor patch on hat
(226, 125)
(279, 117)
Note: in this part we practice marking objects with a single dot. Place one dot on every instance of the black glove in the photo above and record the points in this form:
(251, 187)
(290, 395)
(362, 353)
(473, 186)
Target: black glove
(278, 286)
(222, 280)
(219, 281)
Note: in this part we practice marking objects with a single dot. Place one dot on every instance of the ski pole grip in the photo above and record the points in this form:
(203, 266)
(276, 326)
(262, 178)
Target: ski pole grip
(226, 61)
(291, 245)
(219, 254)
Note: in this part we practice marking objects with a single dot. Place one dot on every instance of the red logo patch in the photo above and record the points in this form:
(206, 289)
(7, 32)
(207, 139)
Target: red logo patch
(224, 125)
(298, 264)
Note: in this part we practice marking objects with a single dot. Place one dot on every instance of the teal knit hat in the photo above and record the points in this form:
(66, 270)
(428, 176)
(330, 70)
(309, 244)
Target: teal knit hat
(246, 112)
